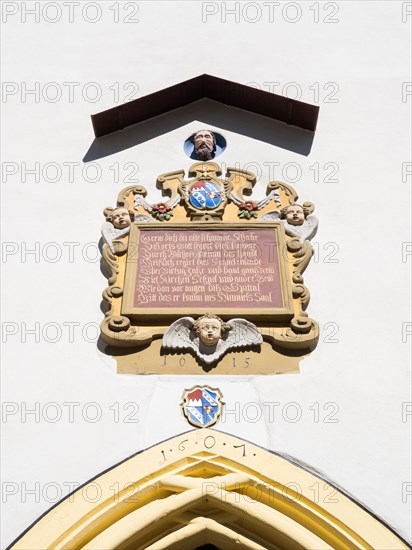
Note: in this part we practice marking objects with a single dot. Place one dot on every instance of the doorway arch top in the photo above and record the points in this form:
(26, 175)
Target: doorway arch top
(207, 487)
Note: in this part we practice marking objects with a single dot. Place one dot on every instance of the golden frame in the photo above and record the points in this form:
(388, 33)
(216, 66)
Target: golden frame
(170, 313)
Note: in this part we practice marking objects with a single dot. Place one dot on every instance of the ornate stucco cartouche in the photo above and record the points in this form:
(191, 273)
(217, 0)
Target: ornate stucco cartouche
(209, 247)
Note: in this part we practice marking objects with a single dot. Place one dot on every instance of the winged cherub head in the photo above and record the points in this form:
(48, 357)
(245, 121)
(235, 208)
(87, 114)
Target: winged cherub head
(209, 328)
(120, 217)
(294, 214)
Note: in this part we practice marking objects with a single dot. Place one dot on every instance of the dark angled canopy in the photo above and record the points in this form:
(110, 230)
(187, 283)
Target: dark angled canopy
(250, 99)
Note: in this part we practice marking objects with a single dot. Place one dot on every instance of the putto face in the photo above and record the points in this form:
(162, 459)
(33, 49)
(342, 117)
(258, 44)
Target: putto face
(209, 331)
(121, 218)
(295, 215)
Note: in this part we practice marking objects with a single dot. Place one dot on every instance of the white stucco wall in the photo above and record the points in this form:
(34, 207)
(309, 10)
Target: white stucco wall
(359, 281)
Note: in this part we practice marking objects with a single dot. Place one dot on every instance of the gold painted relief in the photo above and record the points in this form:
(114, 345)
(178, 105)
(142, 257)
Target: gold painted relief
(209, 280)
(208, 486)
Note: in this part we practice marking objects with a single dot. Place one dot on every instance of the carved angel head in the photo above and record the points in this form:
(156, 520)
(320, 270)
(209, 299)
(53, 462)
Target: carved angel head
(294, 214)
(209, 337)
(120, 217)
(210, 328)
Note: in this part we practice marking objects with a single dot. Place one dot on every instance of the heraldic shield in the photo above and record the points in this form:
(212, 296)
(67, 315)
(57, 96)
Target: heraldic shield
(202, 406)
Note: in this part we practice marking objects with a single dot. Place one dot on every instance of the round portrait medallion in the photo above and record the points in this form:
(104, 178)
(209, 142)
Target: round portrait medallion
(204, 145)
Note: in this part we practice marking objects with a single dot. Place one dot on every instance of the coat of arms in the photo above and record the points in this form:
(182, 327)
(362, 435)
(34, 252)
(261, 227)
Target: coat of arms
(202, 406)
(204, 195)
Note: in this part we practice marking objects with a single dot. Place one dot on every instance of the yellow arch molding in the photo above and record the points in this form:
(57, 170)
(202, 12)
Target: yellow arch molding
(207, 487)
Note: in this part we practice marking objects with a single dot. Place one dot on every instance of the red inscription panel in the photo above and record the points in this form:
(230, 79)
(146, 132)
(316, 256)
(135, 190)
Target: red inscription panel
(207, 269)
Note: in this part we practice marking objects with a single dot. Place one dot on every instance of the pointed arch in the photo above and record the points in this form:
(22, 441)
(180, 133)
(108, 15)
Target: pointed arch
(207, 487)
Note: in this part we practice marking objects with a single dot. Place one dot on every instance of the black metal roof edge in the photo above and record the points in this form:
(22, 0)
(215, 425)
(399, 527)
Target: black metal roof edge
(290, 111)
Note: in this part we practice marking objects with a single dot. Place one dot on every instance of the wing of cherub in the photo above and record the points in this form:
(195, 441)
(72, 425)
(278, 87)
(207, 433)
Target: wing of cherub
(110, 233)
(271, 216)
(142, 218)
(242, 333)
(140, 200)
(274, 194)
(304, 232)
(180, 335)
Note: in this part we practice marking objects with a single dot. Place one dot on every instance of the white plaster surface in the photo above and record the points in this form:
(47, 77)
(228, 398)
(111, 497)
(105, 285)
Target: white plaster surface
(358, 375)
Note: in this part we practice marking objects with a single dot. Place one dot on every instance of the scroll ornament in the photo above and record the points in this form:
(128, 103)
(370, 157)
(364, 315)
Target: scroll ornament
(206, 198)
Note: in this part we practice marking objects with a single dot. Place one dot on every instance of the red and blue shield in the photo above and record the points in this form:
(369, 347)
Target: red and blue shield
(202, 406)
(205, 195)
